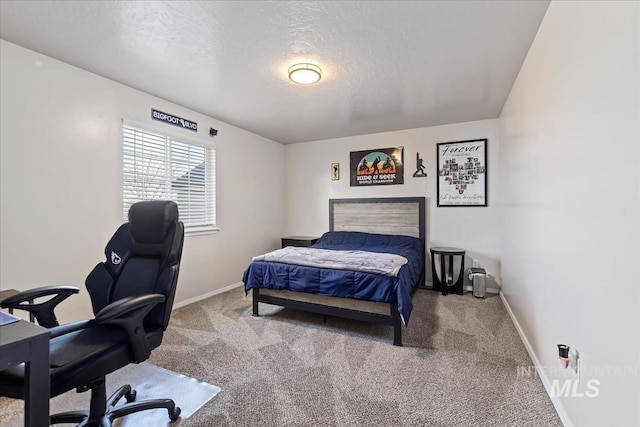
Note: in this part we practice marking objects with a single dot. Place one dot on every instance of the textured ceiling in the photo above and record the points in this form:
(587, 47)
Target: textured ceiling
(386, 65)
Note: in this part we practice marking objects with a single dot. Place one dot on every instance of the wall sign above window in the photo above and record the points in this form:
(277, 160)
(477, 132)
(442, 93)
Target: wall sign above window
(174, 120)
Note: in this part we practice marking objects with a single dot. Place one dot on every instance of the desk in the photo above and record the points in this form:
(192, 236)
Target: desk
(25, 342)
(445, 280)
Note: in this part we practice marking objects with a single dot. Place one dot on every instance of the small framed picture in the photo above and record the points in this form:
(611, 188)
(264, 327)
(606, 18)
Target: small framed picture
(335, 171)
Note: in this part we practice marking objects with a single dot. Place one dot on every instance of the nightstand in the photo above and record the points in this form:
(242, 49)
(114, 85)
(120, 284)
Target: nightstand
(301, 241)
(445, 280)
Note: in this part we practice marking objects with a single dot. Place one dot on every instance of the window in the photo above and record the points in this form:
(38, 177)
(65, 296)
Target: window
(158, 166)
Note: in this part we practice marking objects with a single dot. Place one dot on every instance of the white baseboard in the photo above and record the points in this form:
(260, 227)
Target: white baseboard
(562, 413)
(487, 290)
(207, 295)
(467, 288)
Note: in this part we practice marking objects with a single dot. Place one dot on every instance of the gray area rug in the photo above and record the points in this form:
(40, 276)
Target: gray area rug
(149, 381)
(458, 367)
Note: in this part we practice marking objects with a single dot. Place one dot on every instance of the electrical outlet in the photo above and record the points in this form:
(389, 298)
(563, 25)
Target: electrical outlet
(475, 263)
(574, 362)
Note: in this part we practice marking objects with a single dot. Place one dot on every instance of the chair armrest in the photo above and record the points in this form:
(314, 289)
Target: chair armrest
(129, 314)
(44, 311)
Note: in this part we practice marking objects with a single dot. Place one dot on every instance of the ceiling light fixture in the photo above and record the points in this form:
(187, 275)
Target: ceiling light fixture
(305, 73)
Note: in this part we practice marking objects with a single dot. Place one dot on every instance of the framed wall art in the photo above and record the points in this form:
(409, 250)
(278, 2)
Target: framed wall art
(462, 173)
(382, 166)
(335, 171)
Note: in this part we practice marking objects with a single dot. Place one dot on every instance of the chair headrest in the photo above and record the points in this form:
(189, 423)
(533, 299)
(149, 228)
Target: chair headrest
(151, 220)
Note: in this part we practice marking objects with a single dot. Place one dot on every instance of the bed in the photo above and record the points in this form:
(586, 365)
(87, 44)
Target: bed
(381, 234)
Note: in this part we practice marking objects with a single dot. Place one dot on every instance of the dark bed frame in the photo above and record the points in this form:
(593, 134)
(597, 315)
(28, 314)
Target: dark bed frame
(403, 215)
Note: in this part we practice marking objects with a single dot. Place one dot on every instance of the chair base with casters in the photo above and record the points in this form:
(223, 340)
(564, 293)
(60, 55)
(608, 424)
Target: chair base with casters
(103, 411)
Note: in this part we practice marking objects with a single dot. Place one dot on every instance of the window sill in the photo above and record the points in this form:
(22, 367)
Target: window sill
(201, 232)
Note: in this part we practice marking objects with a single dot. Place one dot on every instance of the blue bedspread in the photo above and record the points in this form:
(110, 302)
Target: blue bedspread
(346, 283)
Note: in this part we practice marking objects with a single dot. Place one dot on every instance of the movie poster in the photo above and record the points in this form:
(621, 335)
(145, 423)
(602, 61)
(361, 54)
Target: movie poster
(382, 166)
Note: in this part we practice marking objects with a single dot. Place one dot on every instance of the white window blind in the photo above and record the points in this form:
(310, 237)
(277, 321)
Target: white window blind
(160, 167)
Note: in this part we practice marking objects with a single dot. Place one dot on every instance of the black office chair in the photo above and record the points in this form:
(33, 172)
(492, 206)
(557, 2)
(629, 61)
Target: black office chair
(132, 295)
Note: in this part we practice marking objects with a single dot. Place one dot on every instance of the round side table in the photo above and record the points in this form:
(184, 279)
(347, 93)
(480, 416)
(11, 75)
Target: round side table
(444, 281)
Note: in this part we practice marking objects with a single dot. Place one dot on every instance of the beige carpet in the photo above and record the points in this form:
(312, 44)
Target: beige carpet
(458, 367)
(149, 381)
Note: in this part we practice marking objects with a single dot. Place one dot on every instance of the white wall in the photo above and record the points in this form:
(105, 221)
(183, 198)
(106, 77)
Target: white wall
(570, 156)
(309, 186)
(61, 180)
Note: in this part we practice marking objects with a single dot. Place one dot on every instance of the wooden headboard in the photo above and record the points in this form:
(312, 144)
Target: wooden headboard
(393, 215)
